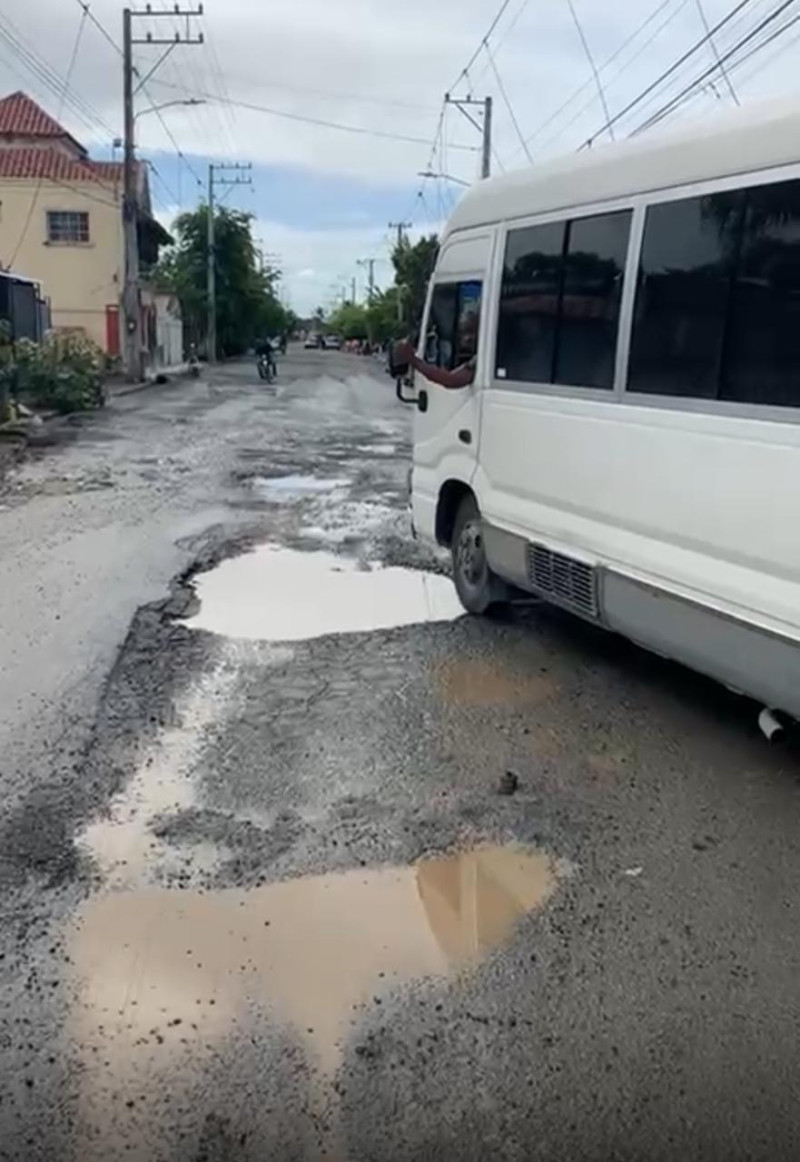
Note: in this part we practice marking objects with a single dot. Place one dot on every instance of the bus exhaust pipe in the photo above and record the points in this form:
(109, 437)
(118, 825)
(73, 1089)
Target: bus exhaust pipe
(772, 729)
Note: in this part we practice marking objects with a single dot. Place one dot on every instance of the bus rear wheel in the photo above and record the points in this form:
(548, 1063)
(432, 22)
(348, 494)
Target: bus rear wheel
(477, 586)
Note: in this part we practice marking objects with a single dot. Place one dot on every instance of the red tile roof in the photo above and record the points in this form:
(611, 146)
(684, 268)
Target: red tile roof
(22, 117)
(54, 165)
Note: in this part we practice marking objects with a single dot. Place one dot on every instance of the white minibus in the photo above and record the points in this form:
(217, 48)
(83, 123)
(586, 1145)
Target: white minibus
(629, 448)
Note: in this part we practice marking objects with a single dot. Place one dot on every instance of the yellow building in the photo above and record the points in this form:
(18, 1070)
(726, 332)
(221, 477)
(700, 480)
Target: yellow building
(61, 225)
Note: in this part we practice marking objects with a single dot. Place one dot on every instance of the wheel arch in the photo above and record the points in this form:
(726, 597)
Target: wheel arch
(451, 495)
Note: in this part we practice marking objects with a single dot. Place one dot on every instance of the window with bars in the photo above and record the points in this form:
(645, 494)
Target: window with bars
(67, 226)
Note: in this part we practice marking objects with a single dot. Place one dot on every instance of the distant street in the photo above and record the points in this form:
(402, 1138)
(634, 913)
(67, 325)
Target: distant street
(297, 862)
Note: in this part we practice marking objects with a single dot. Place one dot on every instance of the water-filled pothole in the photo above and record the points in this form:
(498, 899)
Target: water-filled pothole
(171, 968)
(277, 594)
(281, 489)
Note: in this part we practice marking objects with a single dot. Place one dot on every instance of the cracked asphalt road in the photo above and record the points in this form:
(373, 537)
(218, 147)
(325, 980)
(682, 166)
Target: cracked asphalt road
(266, 899)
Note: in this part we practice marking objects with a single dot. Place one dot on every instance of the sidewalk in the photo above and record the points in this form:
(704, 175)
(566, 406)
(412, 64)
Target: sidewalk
(117, 387)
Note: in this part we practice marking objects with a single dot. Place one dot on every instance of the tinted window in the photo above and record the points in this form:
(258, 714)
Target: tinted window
(593, 270)
(683, 294)
(453, 324)
(762, 352)
(529, 303)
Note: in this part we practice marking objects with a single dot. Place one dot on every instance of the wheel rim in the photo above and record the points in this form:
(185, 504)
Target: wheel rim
(471, 555)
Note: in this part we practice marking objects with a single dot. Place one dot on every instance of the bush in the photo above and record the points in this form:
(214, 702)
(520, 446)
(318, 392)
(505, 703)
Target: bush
(64, 372)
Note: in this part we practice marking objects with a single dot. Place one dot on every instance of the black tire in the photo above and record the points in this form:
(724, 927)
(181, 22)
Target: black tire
(477, 586)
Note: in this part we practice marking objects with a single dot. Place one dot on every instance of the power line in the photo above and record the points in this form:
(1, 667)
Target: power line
(155, 109)
(508, 104)
(157, 174)
(668, 73)
(103, 32)
(741, 22)
(484, 40)
(774, 56)
(754, 51)
(320, 121)
(38, 189)
(50, 78)
(512, 24)
(774, 35)
(85, 7)
(615, 56)
(671, 105)
(592, 65)
(715, 51)
(329, 94)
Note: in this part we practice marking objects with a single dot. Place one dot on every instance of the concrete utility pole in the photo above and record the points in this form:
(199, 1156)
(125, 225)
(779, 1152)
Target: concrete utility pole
(464, 104)
(353, 299)
(486, 154)
(241, 177)
(369, 263)
(400, 227)
(131, 303)
(211, 260)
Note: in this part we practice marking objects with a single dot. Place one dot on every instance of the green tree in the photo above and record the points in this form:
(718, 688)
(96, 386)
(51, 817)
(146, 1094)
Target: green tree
(413, 267)
(247, 301)
(350, 321)
(384, 317)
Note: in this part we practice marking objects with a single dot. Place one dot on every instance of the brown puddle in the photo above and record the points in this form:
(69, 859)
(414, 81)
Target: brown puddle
(164, 974)
(468, 682)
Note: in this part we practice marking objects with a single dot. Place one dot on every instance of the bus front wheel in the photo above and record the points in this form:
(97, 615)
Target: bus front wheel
(477, 586)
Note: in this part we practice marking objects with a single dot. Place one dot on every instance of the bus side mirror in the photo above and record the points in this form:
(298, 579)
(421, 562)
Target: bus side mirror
(398, 369)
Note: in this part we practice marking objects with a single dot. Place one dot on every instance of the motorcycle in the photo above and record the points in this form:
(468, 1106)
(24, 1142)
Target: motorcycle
(194, 363)
(266, 368)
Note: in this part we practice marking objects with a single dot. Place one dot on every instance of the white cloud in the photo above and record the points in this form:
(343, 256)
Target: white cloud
(294, 55)
(317, 263)
(380, 67)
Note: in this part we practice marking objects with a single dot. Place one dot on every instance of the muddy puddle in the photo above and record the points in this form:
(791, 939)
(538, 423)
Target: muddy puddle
(166, 981)
(282, 595)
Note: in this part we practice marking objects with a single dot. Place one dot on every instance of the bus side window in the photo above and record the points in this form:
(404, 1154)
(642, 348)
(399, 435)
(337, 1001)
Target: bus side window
(560, 300)
(761, 364)
(683, 294)
(439, 339)
(718, 302)
(453, 322)
(468, 320)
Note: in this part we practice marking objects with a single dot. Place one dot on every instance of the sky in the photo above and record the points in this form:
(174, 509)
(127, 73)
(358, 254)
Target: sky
(323, 197)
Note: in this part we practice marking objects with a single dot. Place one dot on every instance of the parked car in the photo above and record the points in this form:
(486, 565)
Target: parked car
(333, 343)
(312, 343)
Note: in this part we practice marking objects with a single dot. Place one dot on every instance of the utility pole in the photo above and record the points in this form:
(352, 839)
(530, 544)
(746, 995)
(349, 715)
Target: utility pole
(217, 177)
(400, 227)
(486, 154)
(131, 303)
(353, 299)
(464, 104)
(211, 259)
(369, 263)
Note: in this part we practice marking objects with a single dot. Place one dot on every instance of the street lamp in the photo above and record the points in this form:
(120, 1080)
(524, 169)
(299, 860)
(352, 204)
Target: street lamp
(168, 105)
(428, 173)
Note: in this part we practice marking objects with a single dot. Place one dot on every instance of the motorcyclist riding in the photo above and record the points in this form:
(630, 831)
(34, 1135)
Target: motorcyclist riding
(264, 351)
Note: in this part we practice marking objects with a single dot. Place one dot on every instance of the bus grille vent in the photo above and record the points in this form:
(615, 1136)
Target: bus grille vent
(566, 581)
